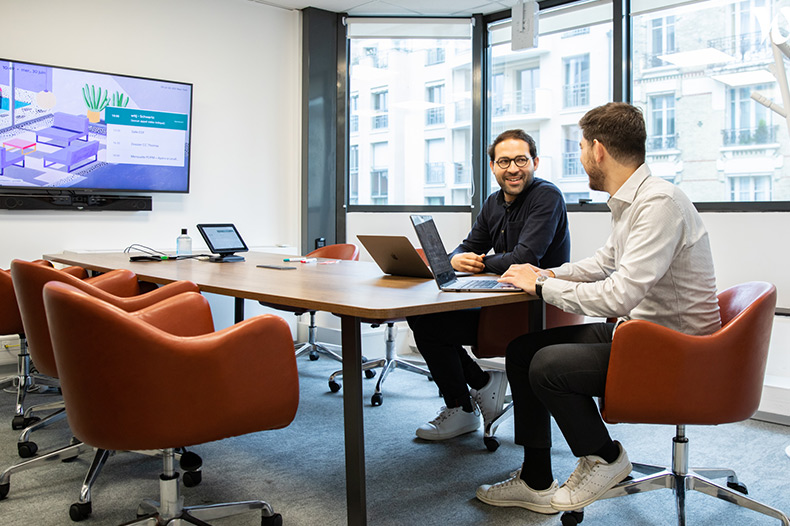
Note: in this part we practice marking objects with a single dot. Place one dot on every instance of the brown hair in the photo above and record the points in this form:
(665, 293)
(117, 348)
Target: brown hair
(519, 135)
(620, 127)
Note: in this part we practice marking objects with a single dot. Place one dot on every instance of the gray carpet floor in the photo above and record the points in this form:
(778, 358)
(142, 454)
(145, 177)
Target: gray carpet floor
(300, 470)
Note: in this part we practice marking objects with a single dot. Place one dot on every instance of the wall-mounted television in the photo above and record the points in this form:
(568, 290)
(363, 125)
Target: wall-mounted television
(73, 131)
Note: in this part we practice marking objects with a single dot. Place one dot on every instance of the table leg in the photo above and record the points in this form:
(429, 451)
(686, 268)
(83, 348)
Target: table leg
(238, 309)
(356, 498)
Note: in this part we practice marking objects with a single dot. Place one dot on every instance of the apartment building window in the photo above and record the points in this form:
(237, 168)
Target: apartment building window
(435, 156)
(353, 174)
(576, 86)
(428, 69)
(434, 95)
(748, 122)
(498, 106)
(379, 173)
(661, 123)
(750, 188)
(662, 39)
(353, 112)
(571, 153)
(434, 200)
(528, 82)
(434, 56)
(378, 103)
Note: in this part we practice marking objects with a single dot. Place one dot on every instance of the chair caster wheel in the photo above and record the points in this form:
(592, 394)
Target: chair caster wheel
(572, 518)
(492, 443)
(192, 478)
(740, 487)
(274, 520)
(190, 461)
(377, 399)
(430, 379)
(370, 373)
(79, 511)
(27, 449)
(20, 422)
(4, 490)
(313, 355)
(334, 386)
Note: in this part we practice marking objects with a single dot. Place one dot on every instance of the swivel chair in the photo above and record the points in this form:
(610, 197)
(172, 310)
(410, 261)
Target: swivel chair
(253, 388)
(119, 288)
(498, 326)
(312, 348)
(660, 376)
(11, 323)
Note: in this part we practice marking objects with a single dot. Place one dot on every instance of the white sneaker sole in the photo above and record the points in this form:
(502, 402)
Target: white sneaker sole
(427, 435)
(583, 504)
(531, 506)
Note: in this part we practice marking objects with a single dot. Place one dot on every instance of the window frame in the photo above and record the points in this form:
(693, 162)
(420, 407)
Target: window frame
(622, 84)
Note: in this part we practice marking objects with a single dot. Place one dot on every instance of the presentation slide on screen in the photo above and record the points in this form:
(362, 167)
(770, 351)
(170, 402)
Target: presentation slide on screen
(138, 136)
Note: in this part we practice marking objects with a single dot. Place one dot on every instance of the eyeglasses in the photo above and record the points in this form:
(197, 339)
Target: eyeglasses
(521, 161)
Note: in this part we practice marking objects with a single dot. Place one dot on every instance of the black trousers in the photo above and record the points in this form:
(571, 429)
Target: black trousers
(558, 372)
(440, 339)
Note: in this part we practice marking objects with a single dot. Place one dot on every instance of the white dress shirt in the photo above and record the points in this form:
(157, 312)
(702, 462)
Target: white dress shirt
(655, 266)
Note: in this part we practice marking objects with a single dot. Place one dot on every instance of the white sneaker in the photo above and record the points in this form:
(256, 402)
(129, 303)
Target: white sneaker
(591, 479)
(514, 492)
(491, 397)
(449, 423)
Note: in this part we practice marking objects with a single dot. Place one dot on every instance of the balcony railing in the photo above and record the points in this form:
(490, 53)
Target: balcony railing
(463, 173)
(576, 95)
(747, 46)
(749, 136)
(571, 165)
(380, 122)
(434, 116)
(518, 102)
(353, 124)
(662, 142)
(434, 173)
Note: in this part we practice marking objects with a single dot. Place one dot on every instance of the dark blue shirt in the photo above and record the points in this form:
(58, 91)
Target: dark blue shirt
(531, 229)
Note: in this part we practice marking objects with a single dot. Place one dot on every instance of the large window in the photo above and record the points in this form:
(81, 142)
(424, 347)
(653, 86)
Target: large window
(412, 80)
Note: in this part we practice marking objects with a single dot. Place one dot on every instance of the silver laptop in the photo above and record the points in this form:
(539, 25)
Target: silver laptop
(395, 255)
(439, 261)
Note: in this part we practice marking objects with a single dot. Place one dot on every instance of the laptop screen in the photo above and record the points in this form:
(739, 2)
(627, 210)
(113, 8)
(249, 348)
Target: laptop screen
(222, 238)
(433, 247)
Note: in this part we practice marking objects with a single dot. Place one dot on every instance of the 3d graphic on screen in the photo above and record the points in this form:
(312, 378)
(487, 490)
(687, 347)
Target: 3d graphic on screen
(77, 130)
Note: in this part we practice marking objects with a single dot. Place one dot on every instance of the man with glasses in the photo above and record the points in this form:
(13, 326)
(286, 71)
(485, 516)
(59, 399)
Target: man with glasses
(524, 222)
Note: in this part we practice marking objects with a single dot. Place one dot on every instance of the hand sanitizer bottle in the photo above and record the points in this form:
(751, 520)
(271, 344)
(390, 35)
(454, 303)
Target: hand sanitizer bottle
(183, 244)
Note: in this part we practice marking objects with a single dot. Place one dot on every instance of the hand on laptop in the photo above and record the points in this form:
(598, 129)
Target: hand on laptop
(468, 262)
(524, 276)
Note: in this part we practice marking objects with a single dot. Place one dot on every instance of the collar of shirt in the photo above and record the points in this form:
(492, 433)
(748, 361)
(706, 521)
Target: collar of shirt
(626, 194)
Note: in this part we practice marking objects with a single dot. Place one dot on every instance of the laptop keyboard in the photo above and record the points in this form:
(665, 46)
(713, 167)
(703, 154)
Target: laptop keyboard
(481, 283)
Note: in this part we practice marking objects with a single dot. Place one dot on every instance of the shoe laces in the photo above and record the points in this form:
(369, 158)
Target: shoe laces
(515, 478)
(584, 468)
(445, 412)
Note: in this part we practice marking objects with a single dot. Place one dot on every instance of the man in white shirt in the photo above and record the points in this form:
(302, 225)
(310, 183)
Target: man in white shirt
(655, 266)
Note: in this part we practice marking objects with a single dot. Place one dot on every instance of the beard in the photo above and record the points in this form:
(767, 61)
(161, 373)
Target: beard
(596, 178)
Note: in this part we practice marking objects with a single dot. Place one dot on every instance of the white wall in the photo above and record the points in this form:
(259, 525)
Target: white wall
(244, 60)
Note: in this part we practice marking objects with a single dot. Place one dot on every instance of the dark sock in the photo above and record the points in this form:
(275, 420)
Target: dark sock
(536, 470)
(480, 380)
(609, 452)
(464, 403)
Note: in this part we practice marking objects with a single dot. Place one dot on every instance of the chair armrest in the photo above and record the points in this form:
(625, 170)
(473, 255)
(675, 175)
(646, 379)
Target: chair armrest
(185, 314)
(155, 296)
(118, 282)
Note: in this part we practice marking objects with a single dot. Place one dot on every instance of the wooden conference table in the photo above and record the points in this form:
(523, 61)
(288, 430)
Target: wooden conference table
(354, 290)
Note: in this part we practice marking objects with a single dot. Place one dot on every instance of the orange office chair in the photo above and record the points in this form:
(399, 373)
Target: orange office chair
(498, 326)
(345, 251)
(11, 323)
(660, 376)
(253, 388)
(389, 363)
(118, 287)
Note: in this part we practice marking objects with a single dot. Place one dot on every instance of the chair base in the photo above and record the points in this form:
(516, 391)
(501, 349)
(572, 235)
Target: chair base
(171, 511)
(680, 479)
(23, 381)
(312, 347)
(389, 363)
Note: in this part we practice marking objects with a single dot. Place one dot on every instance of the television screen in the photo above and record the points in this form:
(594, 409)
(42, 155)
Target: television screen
(69, 129)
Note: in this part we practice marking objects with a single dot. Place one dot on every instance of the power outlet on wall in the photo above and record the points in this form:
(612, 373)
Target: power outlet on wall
(9, 349)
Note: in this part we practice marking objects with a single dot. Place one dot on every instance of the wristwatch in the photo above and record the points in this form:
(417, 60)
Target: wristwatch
(539, 285)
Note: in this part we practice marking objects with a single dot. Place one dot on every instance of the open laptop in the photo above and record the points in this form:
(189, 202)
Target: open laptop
(395, 255)
(443, 271)
(224, 240)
